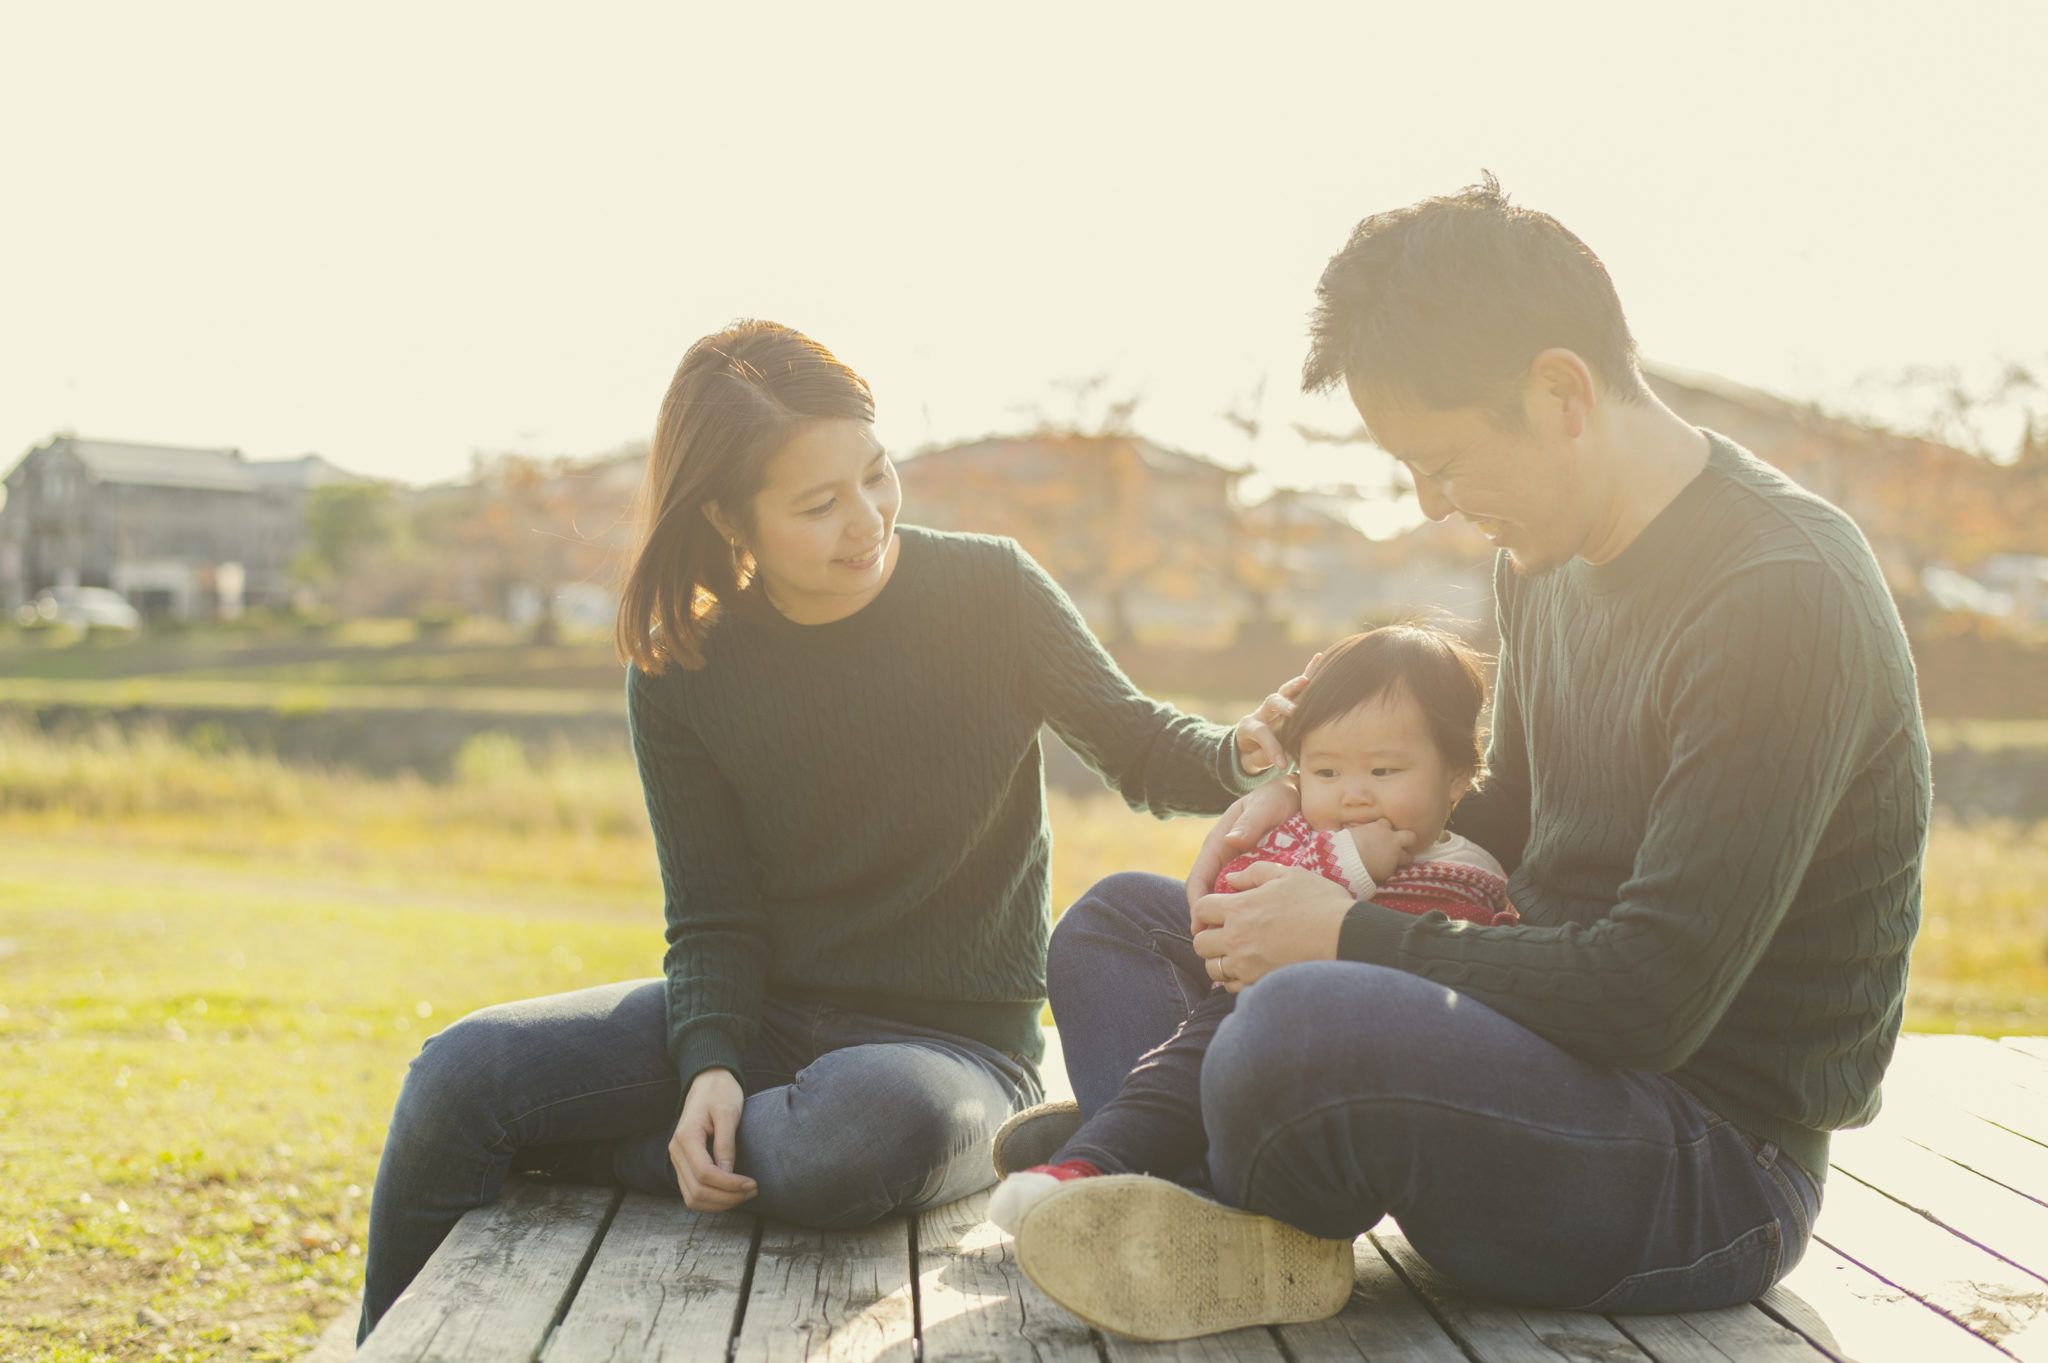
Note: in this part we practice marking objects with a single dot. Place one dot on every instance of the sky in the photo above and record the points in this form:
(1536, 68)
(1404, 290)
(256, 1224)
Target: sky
(405, 235)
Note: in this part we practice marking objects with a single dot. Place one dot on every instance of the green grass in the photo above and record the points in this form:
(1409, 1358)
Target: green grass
(354, 652)
(1987, 735)
(1981, 962)
(214, 968)
(196, 1062)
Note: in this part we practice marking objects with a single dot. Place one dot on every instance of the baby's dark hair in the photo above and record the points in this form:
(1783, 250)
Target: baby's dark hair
(1437, 668)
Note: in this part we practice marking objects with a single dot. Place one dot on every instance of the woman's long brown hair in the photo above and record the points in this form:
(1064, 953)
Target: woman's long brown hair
(737, 397)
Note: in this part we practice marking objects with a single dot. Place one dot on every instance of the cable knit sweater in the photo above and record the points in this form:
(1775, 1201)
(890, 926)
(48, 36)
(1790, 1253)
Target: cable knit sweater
(1707, 758)
(853, 813)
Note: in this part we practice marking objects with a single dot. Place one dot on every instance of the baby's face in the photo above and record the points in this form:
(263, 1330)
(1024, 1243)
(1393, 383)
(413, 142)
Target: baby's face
(1379, 762)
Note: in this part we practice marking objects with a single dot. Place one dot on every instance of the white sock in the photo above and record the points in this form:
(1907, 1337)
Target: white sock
(1016, 1195)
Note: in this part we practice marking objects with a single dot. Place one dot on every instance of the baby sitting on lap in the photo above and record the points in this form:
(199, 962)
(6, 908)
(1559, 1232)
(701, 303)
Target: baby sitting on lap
(1385, 741)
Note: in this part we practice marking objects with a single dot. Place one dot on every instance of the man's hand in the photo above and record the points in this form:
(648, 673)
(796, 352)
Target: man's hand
(701, 1151)
(1383, 848)
(1280, 915)
(1239, 830)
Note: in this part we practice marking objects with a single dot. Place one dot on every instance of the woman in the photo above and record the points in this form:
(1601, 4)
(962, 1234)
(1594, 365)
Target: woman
(836, 722)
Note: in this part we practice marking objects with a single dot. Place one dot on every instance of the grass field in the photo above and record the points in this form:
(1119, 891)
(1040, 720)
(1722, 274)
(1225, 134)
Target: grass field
(213, 969)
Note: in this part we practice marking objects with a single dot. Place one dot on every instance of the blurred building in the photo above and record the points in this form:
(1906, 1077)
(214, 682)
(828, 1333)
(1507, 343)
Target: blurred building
(182, 533)
(527, 540)
(1151, 541)
(1139, 535)
(1922, 504)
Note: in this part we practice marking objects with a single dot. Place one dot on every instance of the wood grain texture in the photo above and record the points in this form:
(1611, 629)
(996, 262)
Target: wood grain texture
(1983, 1146)
(1936, 1079)
(1853, 1315)
(664, 1287)
(976, 1306)
(1384, 1322)
(2008, 1224)
(1493, 1332)
(2004, 1304)
(2033, 1047)
(1734, 1334)
(1235, 1346)
(830, 1296)
(499, 1282)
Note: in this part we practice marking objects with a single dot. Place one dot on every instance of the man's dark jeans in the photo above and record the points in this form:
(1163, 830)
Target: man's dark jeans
(1338, 1092)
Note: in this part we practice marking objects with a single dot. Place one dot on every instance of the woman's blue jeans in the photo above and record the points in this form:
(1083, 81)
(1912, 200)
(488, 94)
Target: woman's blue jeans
(848, 1118)
(1337, 1092)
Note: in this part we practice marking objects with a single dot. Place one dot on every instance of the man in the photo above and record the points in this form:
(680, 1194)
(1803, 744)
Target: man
(1708, 778)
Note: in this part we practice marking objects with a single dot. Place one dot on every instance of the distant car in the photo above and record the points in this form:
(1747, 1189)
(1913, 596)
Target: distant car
(96, 607)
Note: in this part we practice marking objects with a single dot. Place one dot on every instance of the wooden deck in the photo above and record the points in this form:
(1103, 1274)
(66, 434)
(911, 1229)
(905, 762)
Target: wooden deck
(1932, 1246)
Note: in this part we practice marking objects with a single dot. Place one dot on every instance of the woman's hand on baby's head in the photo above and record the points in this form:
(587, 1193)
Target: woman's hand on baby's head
(1383, 848)
(1258, 734)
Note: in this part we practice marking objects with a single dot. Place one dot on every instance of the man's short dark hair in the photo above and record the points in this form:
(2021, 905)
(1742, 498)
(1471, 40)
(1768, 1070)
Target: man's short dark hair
(1448, 300)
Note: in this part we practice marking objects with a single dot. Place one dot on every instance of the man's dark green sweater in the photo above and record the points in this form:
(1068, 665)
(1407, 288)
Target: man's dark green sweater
(854, 813)
(1709, 776)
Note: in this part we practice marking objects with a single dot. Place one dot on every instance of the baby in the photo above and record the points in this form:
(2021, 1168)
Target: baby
(1385, 741)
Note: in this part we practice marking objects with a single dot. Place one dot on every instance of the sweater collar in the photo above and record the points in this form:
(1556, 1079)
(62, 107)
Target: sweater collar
(1666, 536)
(752, 605)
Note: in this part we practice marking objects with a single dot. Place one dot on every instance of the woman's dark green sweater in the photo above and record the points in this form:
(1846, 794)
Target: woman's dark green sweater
(854, 813)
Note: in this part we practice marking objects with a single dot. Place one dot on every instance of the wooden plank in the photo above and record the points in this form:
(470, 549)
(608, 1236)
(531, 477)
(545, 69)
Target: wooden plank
(1853, 1314)
(499, 1282)
(1979, 1128)
(2033, 1047)
(974, 1303)
(1971, 1285)
(1939, 1078)
(2008, 1224)
(1991, 1150)
(1234, 1346)
(1494, 1332)
(1384, 1322)
(830, 1296)
(1733, 1334)
(664, 1287)
(2013, 1109)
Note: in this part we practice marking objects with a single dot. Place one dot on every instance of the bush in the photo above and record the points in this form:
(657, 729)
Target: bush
(436, 618)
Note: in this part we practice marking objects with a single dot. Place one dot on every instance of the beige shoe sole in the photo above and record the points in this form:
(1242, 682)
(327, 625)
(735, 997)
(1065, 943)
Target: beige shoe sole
(1148, 1259)
(1030, 1137)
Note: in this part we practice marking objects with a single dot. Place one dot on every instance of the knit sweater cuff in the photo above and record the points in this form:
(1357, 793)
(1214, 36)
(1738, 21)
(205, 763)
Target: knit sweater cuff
(1356, 878)
(1372, 934)
(1230, 769)
(704, 1048)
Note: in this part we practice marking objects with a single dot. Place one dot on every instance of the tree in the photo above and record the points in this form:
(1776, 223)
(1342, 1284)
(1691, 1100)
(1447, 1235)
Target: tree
(343, 521)
(534, 523)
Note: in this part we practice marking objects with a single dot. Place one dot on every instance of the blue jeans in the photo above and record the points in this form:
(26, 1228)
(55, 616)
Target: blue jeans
(1337, 1092)
(848, 1118)
(1154, 1123)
